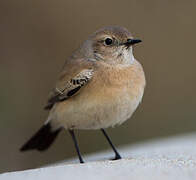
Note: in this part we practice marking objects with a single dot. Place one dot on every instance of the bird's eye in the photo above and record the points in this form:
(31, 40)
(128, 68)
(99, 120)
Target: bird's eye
(108, 41)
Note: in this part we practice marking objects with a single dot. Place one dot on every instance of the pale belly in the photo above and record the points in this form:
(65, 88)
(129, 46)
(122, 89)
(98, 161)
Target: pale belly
(99, 111)
(106, 101)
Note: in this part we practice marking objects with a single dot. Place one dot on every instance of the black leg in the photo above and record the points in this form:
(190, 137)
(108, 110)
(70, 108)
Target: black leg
(117, 155)
(76, 145)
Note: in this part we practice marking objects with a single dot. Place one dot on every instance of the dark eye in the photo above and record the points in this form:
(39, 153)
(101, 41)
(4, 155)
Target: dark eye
(108, 41)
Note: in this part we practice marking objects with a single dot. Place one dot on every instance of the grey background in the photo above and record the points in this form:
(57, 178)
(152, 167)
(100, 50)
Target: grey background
(37, 36)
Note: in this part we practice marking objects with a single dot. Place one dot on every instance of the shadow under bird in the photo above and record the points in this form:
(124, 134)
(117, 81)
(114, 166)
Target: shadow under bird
(100, 86)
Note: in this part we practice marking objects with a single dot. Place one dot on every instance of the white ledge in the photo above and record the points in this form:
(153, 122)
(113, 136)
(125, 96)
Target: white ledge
(165, 159)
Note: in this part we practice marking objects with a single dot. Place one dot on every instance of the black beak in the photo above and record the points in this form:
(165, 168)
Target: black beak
(132, 42)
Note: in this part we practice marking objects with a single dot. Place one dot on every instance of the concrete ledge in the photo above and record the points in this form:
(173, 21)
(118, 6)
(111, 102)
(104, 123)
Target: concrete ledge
(168, 159)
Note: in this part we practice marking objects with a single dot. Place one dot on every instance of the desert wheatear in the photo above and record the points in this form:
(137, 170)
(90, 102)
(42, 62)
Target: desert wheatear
(100, 86)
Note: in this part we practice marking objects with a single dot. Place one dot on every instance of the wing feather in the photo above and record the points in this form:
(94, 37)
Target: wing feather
(69, 88)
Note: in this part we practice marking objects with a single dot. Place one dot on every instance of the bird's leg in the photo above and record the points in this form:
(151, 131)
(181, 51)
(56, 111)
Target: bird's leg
(76, 145)
(117, 155)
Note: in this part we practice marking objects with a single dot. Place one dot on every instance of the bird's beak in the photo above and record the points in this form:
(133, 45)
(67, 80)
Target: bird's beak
(132, 42)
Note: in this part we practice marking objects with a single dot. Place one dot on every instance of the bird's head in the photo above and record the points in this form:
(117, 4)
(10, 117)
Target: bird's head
(111, 44)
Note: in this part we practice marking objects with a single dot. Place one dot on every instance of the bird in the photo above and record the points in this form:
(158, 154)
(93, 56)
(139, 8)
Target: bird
(100, 86)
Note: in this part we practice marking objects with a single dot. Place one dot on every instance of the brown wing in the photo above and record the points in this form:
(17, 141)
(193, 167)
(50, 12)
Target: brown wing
(74, 75)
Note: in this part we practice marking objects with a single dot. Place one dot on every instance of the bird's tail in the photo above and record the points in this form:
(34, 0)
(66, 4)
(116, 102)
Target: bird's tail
(42, 139)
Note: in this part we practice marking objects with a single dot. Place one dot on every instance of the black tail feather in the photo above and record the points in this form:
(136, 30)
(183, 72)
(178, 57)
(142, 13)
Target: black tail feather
(42, 139)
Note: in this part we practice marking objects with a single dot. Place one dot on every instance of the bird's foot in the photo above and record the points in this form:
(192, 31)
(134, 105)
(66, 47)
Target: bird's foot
(117, 157)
